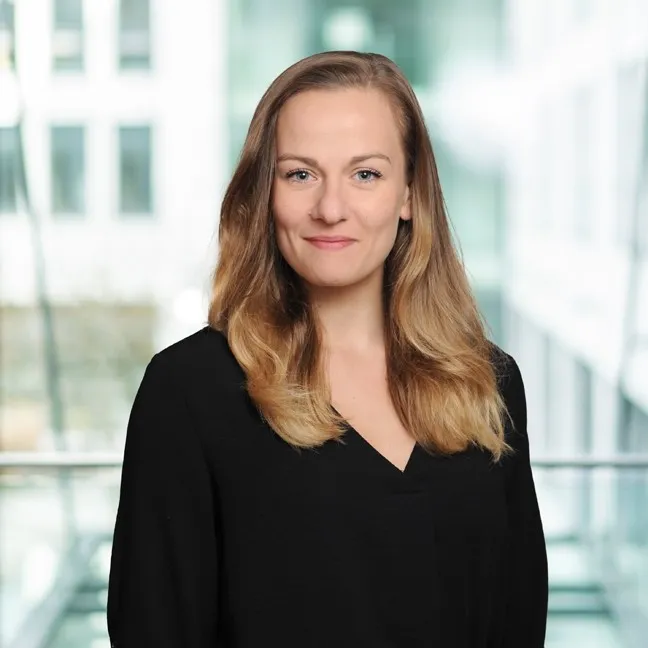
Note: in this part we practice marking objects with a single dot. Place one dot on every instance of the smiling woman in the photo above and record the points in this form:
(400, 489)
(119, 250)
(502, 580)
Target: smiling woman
(340, 458)
(337, 193)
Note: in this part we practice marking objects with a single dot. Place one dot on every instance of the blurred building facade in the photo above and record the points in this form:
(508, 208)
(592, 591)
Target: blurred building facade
(122, 128)
(577, 232)
(576, 282)
(112, 162)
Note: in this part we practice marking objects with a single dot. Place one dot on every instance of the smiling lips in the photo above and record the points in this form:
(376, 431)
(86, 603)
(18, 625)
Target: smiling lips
(330, 242)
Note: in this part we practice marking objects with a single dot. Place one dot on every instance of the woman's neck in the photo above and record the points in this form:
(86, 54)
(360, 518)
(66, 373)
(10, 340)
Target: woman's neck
(352, 321)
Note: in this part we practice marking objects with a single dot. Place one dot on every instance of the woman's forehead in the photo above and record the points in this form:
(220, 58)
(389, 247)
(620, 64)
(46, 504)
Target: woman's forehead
(353, 118)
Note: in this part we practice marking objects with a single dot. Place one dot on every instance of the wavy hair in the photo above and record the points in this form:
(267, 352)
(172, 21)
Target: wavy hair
(440, 369)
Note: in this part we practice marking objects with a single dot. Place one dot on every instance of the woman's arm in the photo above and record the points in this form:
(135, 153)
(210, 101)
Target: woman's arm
(527, 594)
(162, 589)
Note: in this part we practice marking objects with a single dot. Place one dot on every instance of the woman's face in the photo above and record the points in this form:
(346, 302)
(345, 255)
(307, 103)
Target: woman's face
(340, 172)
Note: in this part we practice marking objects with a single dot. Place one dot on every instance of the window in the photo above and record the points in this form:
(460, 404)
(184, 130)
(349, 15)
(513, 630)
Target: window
(585, 130)
(582, 11)
(8, 169)
(629, 154)
(7, 41)
(67, 41)
(135, 169)
(641, 207)
(134, 35)
(68, 169)
(584, 389)
(632, 485)
(393, 29)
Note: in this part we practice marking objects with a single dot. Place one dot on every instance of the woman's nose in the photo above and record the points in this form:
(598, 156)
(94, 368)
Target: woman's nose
(330, 205)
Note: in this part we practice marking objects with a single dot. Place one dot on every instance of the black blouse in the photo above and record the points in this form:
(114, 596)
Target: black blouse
(228, 537)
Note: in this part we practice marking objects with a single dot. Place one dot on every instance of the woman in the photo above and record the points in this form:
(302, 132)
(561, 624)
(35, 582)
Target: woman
(340, 458)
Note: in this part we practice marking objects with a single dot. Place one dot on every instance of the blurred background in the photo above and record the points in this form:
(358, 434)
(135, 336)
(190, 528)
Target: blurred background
(120, 123)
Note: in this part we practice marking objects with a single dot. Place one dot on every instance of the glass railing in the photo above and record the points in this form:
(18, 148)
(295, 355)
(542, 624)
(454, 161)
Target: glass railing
(58, 514)
(55, 541)
(595, 514)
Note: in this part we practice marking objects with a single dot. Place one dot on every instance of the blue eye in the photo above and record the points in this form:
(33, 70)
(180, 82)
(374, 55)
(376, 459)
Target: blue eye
(364, 175)
(368, 175)
(299, 175)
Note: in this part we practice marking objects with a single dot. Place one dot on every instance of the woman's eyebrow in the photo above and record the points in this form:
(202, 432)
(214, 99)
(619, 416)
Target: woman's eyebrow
(369, 156)
(312, 162)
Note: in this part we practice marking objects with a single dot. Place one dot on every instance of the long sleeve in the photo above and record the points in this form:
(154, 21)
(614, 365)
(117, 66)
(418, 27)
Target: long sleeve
(162, 590)
(527, 591)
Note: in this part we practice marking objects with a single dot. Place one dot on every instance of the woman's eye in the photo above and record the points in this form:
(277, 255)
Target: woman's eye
(367, 175)
(364, 175)
(300, 175)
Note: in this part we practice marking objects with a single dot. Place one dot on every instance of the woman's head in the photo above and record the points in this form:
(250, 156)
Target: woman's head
(338, 147)
(331, 108)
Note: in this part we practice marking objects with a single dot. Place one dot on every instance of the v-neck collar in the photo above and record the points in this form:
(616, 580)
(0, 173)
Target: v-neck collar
(408, 466)
(379, 455)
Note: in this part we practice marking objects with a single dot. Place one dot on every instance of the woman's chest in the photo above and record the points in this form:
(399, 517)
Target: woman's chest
(264, 485)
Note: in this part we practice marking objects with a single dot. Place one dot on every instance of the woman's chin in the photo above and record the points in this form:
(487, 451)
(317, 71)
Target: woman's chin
(324, 282)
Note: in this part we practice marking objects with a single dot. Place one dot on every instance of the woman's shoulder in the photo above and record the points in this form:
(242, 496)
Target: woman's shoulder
(506, 369)
(510, 384)
(201, 358)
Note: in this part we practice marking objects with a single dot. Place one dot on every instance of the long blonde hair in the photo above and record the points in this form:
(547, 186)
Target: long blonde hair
(440, 369)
